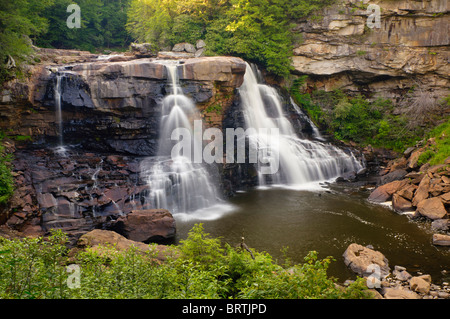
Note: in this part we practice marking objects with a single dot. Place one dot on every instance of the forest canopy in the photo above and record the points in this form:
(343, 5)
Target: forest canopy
(256, 30)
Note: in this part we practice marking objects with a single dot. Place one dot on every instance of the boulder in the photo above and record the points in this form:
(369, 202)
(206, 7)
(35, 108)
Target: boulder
(143, 50)
(432, 208)
(407, 192)
(151, 225)
(440, 224)
(400, 293)
(441, 240)
(360, 260)
(401, 274)
(393, 176)
(384, 192)
(184, 47)
(200, 44)
(422, 191)
(99, 239)
(420, 284)
(400, 204)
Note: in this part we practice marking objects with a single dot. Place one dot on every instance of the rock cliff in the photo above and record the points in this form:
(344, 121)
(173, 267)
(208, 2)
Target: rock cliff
(409, 49)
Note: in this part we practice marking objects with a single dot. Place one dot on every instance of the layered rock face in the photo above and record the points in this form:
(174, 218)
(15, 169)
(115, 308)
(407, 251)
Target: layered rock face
(114, 106)
(410, 49)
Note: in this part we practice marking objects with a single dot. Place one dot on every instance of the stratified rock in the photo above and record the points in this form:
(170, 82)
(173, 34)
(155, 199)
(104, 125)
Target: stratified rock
(441, 240)
(147, 225)
(361, 259)
(432, 208)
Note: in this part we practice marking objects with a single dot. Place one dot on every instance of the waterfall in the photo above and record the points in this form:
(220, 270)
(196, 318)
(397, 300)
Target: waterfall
(300, 160)
(175, 182)
(60, 149)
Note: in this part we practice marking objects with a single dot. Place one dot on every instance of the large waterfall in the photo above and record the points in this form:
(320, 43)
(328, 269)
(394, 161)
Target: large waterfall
(299, 160)
(177, 183)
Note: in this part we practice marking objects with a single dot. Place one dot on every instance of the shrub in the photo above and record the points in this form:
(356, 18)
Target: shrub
(203, 268)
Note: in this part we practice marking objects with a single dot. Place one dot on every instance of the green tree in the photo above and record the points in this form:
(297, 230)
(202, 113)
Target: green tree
(19, 21)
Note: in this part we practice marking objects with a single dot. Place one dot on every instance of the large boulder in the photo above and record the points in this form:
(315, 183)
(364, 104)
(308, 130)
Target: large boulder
(432, 208)
(152, 225)
(100, 240)
(421, 284)
(385, 192)
(400, 293)
(361, 260)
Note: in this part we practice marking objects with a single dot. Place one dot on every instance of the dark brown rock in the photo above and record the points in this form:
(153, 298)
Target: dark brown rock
(151, 225)
(422, 191)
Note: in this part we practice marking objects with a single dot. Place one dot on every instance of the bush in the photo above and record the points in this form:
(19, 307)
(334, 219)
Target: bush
(203, 268)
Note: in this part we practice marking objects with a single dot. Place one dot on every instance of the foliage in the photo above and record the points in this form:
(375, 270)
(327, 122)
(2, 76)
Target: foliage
(6, 179)
(19, 20)
(357, 119)
(203, 268)
(258, 31)
(102, 25)
(438, 152)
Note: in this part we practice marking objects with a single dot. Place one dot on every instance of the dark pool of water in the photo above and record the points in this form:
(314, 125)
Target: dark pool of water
(326, 221)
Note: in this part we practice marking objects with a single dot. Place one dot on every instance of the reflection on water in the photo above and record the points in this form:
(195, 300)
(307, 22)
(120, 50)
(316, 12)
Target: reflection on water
(326, 221)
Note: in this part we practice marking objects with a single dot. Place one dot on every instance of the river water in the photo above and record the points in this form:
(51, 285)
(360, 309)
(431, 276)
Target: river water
(326, 218)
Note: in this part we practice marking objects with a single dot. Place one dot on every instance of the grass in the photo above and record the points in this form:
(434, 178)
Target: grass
(440, 151)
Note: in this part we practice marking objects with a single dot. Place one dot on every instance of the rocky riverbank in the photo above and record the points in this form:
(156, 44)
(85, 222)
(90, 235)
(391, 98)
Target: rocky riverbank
(386, 283)
(420, 191)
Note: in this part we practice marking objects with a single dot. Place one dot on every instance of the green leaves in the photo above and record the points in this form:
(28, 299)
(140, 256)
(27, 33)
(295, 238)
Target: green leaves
(203, 268)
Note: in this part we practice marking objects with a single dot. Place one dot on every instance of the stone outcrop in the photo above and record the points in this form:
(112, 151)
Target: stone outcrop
(112, 103)
(339, 50)
(147, 225)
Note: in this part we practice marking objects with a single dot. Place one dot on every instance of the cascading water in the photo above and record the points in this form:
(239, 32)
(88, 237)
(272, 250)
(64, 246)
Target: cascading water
(60, 149)
(177, 183)
(300, 160)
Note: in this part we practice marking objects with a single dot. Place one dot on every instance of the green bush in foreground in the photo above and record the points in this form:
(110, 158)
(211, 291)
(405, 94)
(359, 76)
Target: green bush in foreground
(203, 268)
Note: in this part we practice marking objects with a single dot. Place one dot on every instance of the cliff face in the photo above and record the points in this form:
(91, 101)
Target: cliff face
(112, 104)
(409, 49)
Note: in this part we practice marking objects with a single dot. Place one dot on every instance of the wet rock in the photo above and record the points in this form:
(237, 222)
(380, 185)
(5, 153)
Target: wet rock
(400, 204)
(401, 274)
(147, 225)
(441, 240)
(393, 176)
(440, 224)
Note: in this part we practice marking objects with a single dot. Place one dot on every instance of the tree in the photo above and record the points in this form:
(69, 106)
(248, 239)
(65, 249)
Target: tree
(19, 21)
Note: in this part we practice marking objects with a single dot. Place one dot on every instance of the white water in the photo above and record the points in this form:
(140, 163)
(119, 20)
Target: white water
(60, 149)
(185, 188)
(301, 161)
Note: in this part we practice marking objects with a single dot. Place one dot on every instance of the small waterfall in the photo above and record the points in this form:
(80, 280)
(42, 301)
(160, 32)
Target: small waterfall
(300, 160)
(60, 149)
(177, 183)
